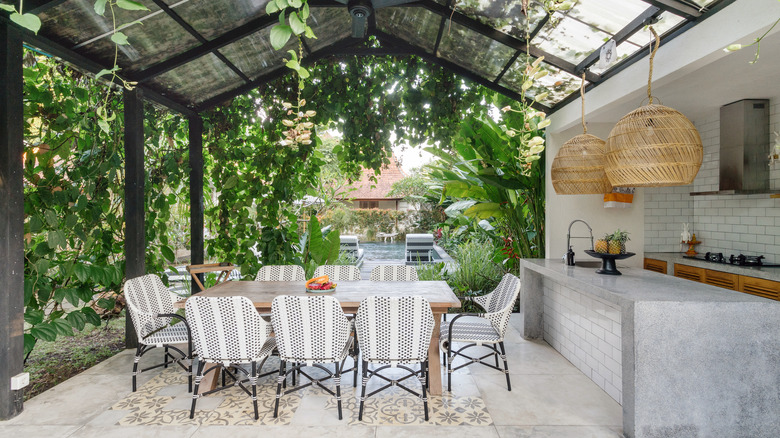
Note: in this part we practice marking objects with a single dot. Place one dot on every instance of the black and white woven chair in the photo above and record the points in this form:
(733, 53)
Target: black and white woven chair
(310, 332)
(338, 272)
(150, 306)
(394, 273)
(281, 273)
(482, 329)
(228, 331)
(394, 333)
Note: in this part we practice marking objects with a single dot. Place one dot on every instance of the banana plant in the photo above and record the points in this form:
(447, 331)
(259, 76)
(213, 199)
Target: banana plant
(319, 246)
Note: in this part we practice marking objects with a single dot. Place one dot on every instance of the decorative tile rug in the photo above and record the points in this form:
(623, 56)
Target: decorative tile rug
(164, 401)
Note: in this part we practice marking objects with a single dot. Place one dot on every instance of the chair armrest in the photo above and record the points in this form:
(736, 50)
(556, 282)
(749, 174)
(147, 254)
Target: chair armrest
(186, 325)
(473, 300)
(452, 323)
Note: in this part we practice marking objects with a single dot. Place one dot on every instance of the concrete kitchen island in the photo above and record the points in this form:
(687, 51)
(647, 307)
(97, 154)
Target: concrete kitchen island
(684, 359)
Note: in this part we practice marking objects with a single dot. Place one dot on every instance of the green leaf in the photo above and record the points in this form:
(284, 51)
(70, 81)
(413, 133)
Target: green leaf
(56, 238)
(62, 327)
(130, 5)
(71, 220)
(295, 3)
(81, 271)
(28, 21)
(35, 224)
(303, 73)
(51, 218)
(104, 126)
(77, 320)
(29, 343)
(485, 210)
(100, 6)
(28, 290)
(230, 182)
(297, 26)
(106, 72)
(280, 34)
(305, 12)
(9, 8)
(281, 4)
(309, 32)
(167, 252)
(44, 332)
(92, 316)
(119, 38)
(271, 7)
(497, 181)
(105, 303)
(33, 316)
(315, 241)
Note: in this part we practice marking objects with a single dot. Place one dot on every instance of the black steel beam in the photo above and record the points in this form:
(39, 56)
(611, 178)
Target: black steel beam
(135, 238)
(196, 195)
(676, 7)
(441, 31)
(38, 6)
(191, 30)
(11, 220)
(501, 37)
(539, 27)
(509, 63)
(623, 34)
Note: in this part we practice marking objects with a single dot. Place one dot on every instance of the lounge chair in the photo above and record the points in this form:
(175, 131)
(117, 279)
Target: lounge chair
(419, 248)
(350, 245)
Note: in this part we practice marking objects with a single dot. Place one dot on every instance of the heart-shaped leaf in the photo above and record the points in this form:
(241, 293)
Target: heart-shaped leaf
(27, 21)
(100, 6)
(130, 5)
(298, 27)
(119, 38)
(280, 34)
(9, 8)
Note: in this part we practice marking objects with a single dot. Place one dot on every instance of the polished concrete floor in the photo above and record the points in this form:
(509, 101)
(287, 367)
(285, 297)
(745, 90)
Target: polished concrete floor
(549, 398)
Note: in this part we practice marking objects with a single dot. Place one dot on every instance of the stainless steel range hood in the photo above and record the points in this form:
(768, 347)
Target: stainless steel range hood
(744, 145)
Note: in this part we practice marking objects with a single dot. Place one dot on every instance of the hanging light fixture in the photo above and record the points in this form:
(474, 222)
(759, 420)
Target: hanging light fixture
(654, 145)
(578, 167)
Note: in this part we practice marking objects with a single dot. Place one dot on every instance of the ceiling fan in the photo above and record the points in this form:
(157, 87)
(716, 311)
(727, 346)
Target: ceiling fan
(362, 9)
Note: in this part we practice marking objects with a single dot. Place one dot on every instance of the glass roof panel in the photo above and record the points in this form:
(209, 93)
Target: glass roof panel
(199, 80)
(624, 50)
(666, 22)
(557, 83)
(569, 38)
(213, 18)
(608, 16)
(254, 55)
(156, 40)
(415, 25)
(503, 15)
(329, 25)
(74, 22)
(704, 3)
(474, 51)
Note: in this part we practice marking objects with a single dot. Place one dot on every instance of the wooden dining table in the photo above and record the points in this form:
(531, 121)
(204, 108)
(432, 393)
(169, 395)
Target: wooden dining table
(350, 294)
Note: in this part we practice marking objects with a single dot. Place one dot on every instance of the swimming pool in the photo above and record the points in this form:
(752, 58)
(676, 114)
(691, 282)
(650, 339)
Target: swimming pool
(386, 251)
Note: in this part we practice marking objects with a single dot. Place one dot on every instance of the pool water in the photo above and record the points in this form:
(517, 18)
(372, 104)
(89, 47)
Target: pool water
(386, 251)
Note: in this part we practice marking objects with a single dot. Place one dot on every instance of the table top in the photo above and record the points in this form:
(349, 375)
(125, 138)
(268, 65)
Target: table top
(349, 293)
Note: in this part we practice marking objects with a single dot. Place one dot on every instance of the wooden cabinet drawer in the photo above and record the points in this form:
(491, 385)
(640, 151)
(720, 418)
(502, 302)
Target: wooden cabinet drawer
(758, 286)
(721, 279)
(655, 265)
(689, 272)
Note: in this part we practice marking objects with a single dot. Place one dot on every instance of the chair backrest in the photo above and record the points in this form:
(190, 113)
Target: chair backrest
(234, 275)
(225, 329)
(394, 273)
(146, 298)
(281, 273)
(501, 301)
(419, 247)
(338, 272)
(394, 329)
(309, 329)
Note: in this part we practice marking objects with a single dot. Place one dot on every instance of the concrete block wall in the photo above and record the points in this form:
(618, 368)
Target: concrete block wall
(587, 332)
(732, 224)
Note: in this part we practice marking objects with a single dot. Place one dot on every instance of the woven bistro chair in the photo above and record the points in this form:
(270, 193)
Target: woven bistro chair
(338, 272)
(150, 307)
(394, 273)
(394, 333)
(281, 273)
(228, 331)
(482, 329)
(310, 332)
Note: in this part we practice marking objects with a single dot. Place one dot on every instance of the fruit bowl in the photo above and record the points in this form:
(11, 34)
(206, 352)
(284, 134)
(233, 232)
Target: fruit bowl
(321, 291)
(320, 285)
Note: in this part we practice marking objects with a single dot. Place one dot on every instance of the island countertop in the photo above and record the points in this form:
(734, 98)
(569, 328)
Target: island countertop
(635, 285)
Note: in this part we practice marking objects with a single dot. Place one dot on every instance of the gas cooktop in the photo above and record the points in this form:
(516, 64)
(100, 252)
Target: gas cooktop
(736, 260)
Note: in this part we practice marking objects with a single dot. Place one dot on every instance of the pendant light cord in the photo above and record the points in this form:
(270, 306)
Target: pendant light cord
(652, 55)
(582, 93)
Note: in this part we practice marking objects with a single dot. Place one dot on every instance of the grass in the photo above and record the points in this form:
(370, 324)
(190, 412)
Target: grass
(51, 363)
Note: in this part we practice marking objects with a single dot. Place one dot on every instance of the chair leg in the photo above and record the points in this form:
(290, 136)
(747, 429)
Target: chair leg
(135, 364)
(506, 367)
(254, 388)
(449, 367)
(165, 357)
(199, 377)
(337, 379)
(363, 389)
(423, 379)
(355, 361)
(280, 379)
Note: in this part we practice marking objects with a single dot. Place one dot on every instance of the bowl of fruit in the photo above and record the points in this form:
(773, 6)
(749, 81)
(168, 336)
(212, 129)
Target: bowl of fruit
(320, 285)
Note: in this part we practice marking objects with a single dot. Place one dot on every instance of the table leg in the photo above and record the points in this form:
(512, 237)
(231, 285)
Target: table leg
(434, 364)
(211, 380)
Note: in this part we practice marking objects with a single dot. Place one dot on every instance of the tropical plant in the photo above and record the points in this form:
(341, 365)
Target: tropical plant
(318, 247)
(477, 273)
(432, 271)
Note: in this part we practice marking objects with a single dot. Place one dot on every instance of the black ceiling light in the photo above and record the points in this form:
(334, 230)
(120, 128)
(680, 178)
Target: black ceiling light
(362, 9)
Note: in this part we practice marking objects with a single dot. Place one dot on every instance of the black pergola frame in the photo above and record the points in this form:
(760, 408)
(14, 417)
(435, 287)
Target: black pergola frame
(13, 38)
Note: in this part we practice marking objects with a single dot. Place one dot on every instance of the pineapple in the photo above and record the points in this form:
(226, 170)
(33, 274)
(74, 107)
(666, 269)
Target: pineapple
(601, 245)
(614, 247)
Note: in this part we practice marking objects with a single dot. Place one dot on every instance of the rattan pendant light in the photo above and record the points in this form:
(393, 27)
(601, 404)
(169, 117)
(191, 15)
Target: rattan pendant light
(578, 167)
(653, 146)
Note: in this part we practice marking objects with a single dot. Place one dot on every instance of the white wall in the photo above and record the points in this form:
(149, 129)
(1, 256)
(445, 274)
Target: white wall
(562, 209)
